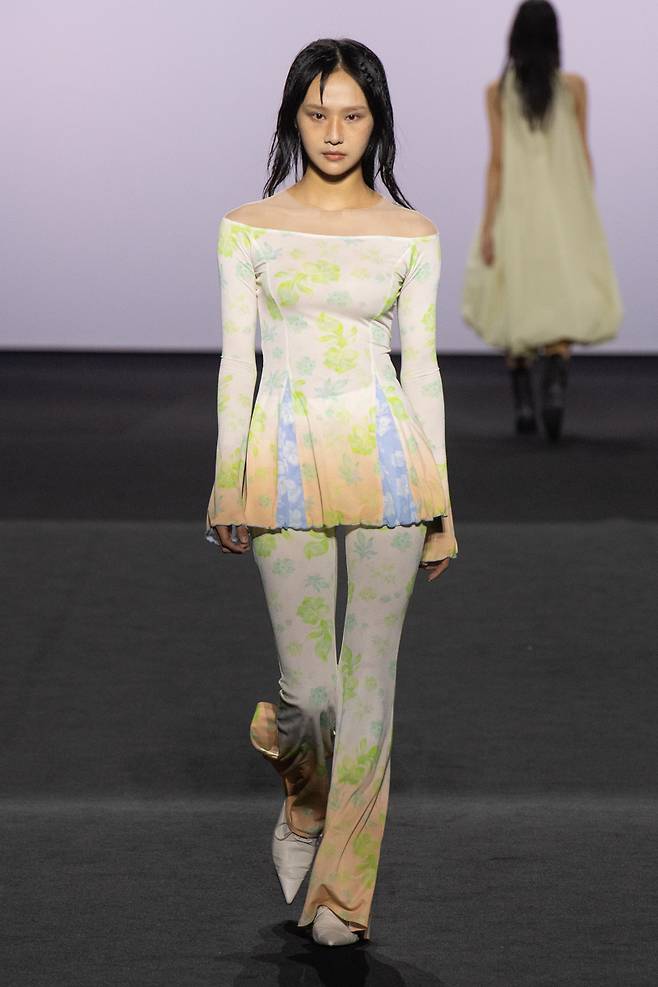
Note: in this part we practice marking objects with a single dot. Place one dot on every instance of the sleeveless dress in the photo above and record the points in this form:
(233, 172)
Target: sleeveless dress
(552, 276)
(334, 438)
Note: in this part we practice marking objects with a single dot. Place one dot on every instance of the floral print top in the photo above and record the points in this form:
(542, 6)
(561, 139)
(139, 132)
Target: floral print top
(333, 436)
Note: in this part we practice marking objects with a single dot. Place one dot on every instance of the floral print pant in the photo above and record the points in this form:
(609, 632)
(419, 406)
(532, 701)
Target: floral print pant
(338, 709)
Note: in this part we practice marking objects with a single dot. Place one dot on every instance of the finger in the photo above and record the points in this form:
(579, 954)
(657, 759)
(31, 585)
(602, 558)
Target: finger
(437, 570)
(243, 535)
(226, 542)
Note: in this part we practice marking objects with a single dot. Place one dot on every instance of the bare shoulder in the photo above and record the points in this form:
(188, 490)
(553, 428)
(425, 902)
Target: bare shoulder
(250, 213)
(575, 82)
(410, 222)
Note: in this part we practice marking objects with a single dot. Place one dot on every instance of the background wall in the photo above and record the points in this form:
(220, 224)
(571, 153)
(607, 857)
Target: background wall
(130, 129)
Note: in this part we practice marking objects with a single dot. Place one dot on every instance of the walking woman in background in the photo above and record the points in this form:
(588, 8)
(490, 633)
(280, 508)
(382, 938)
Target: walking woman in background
(334, 440)
(539, 274)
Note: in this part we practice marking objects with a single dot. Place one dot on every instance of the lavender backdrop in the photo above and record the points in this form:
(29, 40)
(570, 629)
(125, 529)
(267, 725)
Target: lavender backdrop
(130, 128)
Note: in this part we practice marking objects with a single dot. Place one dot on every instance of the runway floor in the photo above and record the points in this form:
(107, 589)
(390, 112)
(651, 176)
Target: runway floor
(521, 846)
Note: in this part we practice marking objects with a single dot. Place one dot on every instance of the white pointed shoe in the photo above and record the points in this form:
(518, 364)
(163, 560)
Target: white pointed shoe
(292, 855)
(330, 930)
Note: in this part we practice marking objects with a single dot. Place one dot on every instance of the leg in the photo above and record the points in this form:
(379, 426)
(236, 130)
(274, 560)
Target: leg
(524, 399)
(382, 564)
(298, 572)
(555, 373)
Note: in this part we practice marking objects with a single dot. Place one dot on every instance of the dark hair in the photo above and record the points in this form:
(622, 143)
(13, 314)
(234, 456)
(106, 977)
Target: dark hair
(533, 50)
(324, 56)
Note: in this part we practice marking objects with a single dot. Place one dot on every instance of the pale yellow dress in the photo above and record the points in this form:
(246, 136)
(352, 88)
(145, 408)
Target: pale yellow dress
(552, 277)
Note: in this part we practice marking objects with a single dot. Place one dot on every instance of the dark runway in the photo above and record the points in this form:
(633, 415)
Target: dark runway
(522, 840)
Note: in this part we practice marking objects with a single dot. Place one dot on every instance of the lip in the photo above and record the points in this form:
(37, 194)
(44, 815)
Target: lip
(333, 155)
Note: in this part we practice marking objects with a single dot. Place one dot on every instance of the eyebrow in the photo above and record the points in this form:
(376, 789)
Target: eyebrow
(319, 106)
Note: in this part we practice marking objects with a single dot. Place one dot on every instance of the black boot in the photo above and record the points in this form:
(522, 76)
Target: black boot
(553, 394)
(524, 401)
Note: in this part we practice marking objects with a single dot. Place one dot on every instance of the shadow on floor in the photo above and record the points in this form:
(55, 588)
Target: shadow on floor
(290, 954)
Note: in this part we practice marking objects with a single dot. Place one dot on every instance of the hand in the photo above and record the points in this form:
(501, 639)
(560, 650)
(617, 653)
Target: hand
(487, 247)
(435, 569)
(227, 545)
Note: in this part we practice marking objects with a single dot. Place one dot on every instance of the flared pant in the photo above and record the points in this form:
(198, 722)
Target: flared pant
(329, 736)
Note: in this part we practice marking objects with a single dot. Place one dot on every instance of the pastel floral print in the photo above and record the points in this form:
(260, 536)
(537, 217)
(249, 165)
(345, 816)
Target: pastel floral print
(333, 436)
(336, 715)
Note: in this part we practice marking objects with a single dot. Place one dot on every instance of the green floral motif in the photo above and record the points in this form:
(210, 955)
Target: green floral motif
(340, 360)
(273, 309)
(402, 540)
(235, 234)
(228, 472)
(349, 470)
(319, 696)
(299, 402)
(397, 406)
(338, 298)
(352, 772)
(312, 610)
(334, 517)
(367, 850)
(258, 420)
(429, 319)
(349, 666)
(264, 544)
(364, 545)
(319, 545)
(339, 357)
(306, 365)
(297, 283)
(330, 389)
(283, 567)
(363, 439)
(391, 618)
(317, 582)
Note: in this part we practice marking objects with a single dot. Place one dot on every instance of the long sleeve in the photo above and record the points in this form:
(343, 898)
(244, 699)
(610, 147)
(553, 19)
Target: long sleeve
(237, 374)
(420, 376)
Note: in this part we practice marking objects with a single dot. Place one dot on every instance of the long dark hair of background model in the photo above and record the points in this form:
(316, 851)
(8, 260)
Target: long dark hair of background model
(323, 56)
(533, 51)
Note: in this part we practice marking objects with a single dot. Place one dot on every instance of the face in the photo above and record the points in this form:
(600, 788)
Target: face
(342, 123)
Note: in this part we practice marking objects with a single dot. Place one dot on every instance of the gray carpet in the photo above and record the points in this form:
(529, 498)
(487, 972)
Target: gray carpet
(521, 843)
(510, 892)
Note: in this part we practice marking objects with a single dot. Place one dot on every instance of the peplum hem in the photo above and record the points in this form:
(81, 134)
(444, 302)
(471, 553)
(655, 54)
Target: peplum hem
(439, 543)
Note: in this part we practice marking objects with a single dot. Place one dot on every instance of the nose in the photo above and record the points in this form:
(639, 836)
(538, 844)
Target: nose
(333, 135)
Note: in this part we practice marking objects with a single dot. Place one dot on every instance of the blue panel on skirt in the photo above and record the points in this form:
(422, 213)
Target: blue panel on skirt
(290, 508)
(399, 504)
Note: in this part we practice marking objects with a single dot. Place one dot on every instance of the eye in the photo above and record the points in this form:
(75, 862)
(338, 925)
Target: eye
(357, 116)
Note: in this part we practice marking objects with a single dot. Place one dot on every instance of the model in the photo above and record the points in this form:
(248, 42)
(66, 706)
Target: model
(539, 275)
(334, 440)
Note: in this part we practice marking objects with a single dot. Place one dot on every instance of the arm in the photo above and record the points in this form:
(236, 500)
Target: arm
(579, 89)
(420, 376)
(494, 170)
(237, 374)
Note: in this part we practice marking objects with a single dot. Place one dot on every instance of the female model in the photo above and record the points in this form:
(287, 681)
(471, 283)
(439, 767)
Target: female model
(539, 273)
(334, 439)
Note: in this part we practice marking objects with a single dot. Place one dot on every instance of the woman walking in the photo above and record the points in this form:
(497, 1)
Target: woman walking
(539, 274)
(334, 440)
